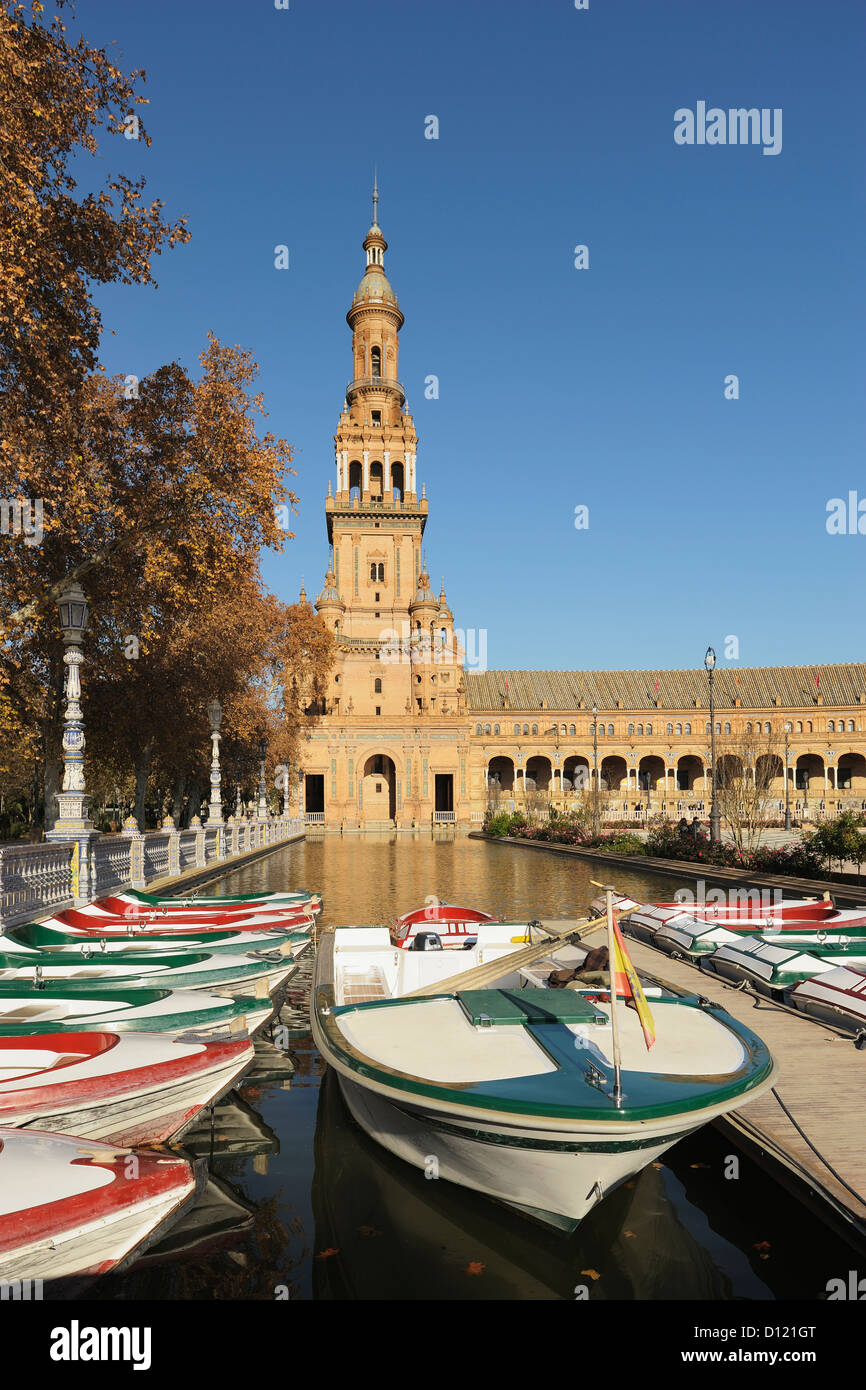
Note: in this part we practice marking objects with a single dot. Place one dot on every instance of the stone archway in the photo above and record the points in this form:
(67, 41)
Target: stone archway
(379, 788)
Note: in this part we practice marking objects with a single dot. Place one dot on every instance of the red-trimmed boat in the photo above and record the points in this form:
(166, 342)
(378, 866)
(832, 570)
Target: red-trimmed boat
(68, 1208)
(835, 996)
(456, 927)
(127, 1088)
(743, 914)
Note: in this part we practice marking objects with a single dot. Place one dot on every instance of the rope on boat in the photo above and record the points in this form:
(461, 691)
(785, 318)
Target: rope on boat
(817, 1152)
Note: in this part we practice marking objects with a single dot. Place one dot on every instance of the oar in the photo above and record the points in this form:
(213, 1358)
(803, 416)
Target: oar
(482, 975)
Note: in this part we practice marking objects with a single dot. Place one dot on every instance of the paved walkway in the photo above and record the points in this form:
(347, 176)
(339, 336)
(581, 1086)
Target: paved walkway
(821, 1080)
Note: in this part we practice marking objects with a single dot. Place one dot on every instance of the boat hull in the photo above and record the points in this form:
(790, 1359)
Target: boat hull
(555, 1179)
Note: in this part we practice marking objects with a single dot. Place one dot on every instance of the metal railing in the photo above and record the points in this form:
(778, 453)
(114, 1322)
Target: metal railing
(36, 878)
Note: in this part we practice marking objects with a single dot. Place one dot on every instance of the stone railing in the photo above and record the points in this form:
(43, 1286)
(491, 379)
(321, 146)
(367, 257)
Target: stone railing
(36, 878)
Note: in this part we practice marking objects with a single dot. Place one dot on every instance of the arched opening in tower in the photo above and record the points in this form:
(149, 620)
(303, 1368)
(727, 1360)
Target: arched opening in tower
(355, 478)
(376, 482)
(397, 480)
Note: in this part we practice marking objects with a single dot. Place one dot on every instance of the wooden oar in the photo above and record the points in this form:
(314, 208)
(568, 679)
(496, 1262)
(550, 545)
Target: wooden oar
(482, 975)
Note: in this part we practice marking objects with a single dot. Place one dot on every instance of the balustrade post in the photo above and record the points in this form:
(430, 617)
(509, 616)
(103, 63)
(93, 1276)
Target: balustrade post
(173, 845)
(132, 833)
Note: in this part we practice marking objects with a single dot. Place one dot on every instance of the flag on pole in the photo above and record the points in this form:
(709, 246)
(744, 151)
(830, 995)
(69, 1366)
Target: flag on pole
(818, 680)
(625, 981)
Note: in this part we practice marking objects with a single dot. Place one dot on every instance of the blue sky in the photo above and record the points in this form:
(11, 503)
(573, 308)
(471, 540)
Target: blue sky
(558, 387)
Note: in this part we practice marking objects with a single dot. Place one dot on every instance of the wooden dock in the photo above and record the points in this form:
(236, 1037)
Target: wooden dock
(822, 1081)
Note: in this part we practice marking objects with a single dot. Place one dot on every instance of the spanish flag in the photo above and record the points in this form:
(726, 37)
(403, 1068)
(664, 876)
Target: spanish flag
(626, 982)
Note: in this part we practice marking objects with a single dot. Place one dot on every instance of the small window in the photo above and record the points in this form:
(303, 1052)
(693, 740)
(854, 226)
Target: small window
(496, 728)
(727, 728)
(631, 729)
(377, 598)
(601, 731)
(688, 728)
(831, 727)
(748, 728)
(571, 730)
(376, 361)
(562, 729)
(707, 727)
(478, 729)
(649, 728)
(679, 730)
(799, 726)
(669, 728)
(640, 730)
(850, 726)
(535, 728)
(377, 687)
(378, 786)
(516, 728)
(487, 728)
(378, 709)
(526, 728)
(766, 728)
(377, 417)
(610, 731)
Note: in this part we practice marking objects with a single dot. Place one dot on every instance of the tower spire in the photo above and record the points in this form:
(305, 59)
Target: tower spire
(375, 198)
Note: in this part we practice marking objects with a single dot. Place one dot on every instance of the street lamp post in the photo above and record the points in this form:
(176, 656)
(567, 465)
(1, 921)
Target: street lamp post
(595, 819)
(72, 800)
(263, 792)
(215, 809)
(787, 778)
(715, 836)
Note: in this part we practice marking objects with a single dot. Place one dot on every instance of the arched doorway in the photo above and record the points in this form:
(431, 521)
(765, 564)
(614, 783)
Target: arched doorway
(690, 770)
(575, 774)
(500, 778)
(538, 774)
(379, 788)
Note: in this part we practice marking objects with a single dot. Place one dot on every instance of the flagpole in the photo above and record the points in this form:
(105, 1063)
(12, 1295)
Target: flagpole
(612, 957)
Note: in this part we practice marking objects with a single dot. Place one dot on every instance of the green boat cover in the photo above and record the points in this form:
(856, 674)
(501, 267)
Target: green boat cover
(522, 1006)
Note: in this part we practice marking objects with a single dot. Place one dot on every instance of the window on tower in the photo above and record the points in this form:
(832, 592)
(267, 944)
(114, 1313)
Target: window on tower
(376, 416)
(376, 361)
(377, 686)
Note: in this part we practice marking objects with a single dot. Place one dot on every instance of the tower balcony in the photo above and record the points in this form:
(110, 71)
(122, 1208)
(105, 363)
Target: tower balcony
(376, 383)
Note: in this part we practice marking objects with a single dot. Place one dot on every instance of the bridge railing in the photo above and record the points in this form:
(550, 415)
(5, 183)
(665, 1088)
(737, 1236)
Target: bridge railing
(38, 878)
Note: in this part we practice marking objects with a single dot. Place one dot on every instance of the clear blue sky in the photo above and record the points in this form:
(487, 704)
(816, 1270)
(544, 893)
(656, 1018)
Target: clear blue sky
(558, 387)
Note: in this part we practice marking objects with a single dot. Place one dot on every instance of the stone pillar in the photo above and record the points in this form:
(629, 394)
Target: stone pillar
(132, 833)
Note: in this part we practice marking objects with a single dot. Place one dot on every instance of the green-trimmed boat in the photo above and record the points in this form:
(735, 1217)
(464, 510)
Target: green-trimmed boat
(34, 936)
(55, 1009)
(775, 967)
(160, 970)
(510, 1090)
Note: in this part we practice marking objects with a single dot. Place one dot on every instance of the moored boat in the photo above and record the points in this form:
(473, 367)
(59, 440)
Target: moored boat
(510, 1090)
(185, 970)
(454, 926)
(32, 937)
(835, 996)
(130, 1088)
(291, 898)
(53, 1008)
(82, 1216)
(772, 968)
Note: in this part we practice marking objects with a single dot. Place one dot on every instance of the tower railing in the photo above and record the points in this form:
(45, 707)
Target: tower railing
(384, 383)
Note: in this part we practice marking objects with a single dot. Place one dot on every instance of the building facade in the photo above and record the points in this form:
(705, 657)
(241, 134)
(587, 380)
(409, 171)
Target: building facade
(411, 737)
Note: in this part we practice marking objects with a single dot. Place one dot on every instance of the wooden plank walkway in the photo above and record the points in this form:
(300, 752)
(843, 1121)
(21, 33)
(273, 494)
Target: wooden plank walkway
(821, 1079)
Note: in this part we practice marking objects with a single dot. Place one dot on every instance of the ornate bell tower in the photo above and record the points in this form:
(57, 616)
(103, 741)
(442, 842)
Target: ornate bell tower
(375, 519)
(397, 682)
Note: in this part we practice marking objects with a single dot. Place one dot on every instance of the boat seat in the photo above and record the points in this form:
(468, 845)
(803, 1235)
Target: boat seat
(360, 986)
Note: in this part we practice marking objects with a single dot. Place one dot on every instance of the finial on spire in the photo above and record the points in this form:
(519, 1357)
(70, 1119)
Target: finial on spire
(375, 198)
(303, 595)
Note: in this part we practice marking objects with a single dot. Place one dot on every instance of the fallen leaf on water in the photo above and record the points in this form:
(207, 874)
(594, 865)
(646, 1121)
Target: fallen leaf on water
(629, 1234)
(368, 1231)
(591, 1273)
(326, 1254)
(699, 1165)
(474, 1267)
(657, 1165)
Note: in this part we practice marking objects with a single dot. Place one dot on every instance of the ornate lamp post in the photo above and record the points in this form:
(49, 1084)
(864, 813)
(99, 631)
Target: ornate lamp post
(215, 810)
(72, 823)
(263, 791)
(239, 810)
(715, 835)
(595, 819)
(787, 778)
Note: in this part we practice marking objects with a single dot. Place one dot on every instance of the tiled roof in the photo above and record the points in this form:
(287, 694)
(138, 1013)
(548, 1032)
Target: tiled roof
(756, 688)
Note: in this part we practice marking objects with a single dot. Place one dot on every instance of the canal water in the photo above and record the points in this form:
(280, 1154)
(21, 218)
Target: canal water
(302, 1205)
